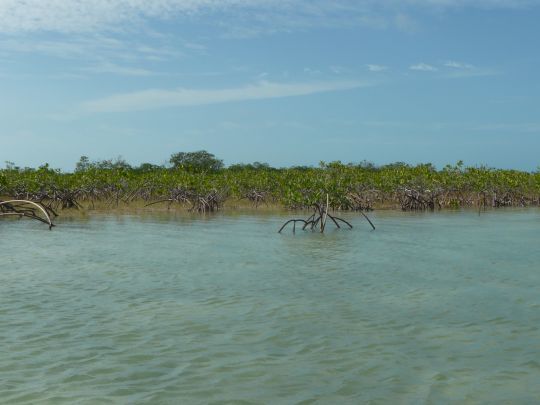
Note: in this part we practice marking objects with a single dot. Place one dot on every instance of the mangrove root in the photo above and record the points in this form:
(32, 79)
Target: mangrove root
(317, 220)
(25, 208)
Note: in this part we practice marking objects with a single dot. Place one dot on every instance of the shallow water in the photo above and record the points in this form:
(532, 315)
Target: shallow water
(429, 308)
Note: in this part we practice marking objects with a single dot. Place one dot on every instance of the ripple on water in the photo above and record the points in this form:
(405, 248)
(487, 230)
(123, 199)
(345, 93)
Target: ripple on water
(429, 308)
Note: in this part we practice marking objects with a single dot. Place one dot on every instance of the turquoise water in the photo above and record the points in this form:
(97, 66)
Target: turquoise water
(429, 308)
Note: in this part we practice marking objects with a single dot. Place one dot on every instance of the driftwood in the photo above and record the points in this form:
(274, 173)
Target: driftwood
(317, 220)
(25, 208)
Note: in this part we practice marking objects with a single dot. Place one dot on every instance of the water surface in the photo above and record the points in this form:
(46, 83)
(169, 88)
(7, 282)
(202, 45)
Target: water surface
(428, 308)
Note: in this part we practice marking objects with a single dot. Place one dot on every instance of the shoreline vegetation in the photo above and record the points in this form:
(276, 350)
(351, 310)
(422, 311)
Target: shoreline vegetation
(199, 182)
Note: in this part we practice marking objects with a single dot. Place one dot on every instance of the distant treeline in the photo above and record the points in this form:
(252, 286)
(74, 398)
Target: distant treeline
(199, 161)
(201, 181)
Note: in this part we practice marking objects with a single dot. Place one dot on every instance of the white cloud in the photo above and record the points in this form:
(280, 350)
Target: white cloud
(339, 70)
(486, 4)
(89, 47)
(71, 16)
(463, 70)
(156, 98)
(377, 68)
(424, 67)
(80, 15)
(107, 67)
(245, 17)
(312, 72)
(458, 65)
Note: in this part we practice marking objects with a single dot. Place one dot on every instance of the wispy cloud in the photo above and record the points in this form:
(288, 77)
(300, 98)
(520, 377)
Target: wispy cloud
(377, 68)
(77, 16)
(458, 65)
(107, 67)
(455, 70)
(71, 16)
(339, 70)
(463, 70)
(423, 67)
(485, 4)
(88, 47)
(157, 98)
(312, 72)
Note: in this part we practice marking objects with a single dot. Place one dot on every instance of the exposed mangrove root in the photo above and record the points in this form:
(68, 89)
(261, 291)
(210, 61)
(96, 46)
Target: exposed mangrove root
(256, 197)
(201, 203)
(294, 221)
(177, 195)
(367, 219)
(317, 220)
(419, 200)
(25, 208)
(361, 200)
(51, 200)
(207, 203)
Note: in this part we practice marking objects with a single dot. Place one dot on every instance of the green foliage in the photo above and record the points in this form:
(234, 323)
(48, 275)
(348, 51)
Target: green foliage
(84, 164)
(147, 168)
(200, 161)
(200, 173)
(250, 166)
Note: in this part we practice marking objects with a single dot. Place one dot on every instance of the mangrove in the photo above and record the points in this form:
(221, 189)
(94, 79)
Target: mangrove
(201, 183)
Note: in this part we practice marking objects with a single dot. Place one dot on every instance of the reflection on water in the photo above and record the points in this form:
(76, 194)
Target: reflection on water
(171, 308)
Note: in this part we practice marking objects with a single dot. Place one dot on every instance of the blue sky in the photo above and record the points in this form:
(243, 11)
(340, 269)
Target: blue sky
(279, 81)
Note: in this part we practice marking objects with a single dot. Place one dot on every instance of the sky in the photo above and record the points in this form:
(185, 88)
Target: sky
(287, 82)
